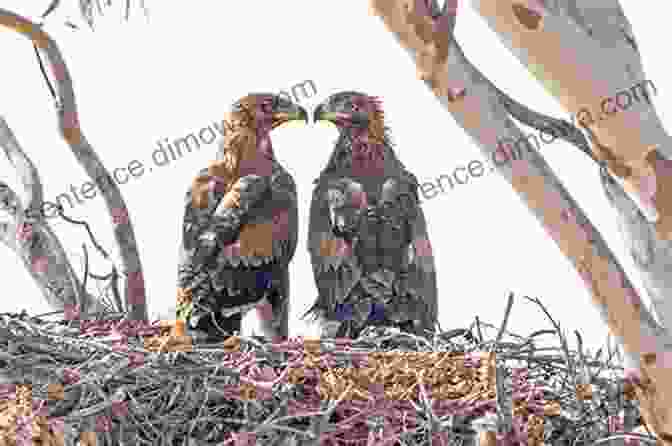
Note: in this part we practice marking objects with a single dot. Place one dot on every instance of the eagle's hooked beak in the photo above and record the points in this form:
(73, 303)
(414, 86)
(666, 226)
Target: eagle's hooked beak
(321, 114)
(302, 115)
(289, 112)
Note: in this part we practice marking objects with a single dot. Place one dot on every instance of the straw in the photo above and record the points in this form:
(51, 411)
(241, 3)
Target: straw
(121, 382)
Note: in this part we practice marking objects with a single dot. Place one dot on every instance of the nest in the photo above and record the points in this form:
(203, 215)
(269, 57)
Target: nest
(120, 382)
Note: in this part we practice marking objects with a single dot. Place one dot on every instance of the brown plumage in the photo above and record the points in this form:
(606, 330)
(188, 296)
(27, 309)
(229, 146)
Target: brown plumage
(240, 226)
(367, 236)
(239, 143)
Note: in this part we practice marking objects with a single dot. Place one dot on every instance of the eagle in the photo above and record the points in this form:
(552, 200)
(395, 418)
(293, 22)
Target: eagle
(239, 231)
(367, 238)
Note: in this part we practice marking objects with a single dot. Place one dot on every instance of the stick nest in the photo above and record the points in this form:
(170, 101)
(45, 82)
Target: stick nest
(120, 382)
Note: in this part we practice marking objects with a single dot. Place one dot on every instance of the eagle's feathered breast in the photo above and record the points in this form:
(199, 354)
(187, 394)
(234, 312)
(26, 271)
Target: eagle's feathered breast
(367, 237)
(266, 240)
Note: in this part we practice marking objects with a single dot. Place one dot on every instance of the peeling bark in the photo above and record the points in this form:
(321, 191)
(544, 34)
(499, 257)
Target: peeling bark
(652, 256)
(631, 141)
(130, 266)
(27, 233)
(484, 112)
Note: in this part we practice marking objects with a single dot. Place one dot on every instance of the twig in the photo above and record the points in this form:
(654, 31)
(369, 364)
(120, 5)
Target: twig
(100, 249)
(44, 74)
(114, 287)
(52, 6)
(478, 330)
(507, 313)
(97, 277)
(628, 435)
(99, 5)
(86, 268)
(563, 340)
(504, 401)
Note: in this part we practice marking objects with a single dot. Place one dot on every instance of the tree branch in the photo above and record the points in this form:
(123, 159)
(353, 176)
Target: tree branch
(481, 110)
(558, 42)
(44, 258)
(134, 294)
(606, 35)
(28, 174)
(31, 238)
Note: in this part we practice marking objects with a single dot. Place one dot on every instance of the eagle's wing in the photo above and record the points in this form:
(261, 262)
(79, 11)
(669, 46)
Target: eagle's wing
(283, 206)
(261, 231)
(333, 214)
(221, 243)
(194, 221)
(284, 209)
(206, 230)
(421, 268)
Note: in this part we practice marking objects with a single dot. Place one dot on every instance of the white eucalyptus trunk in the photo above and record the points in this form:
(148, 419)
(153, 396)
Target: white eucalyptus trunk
(40, 249)
(484, 112)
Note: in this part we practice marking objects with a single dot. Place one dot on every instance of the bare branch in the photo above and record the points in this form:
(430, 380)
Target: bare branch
(112, 276)
(507, 313)
(86, 266)
(25, 168)
(51, 8)
(561, 336)
(44, 258)
(478, 330)
(71, 131)
(36, 238)
(88, 230)
(86, 9)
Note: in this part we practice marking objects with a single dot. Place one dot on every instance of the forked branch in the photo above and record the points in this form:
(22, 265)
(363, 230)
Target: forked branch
(68, 119)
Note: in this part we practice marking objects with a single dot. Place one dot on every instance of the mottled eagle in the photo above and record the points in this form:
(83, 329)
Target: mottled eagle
(240, 227)
(368, 243)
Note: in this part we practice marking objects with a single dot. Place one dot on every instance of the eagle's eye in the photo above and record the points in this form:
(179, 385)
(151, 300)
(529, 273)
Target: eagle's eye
(267, 106)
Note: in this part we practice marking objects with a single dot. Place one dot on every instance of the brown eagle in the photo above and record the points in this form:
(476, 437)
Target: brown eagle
(240, 227)
(368, 241)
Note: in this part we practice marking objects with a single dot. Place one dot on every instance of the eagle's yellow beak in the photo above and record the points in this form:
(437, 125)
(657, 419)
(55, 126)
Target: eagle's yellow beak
(293, 117)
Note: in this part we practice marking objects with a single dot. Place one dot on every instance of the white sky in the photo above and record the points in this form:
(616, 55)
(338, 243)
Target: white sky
(140, 82)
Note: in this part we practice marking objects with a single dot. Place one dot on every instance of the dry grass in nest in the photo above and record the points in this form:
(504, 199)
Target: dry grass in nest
(148, 384)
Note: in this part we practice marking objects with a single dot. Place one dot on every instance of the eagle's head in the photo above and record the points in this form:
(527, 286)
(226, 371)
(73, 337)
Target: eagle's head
(364, 142)
(353, 110)
(246, 147)
(266, 111)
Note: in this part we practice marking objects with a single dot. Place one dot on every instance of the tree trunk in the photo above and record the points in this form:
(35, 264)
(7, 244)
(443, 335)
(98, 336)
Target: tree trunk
(33, 240)
(130, 266)
(559, 44)
(484, 112)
